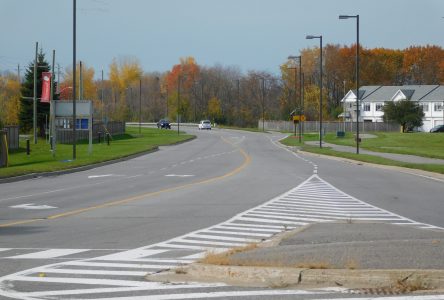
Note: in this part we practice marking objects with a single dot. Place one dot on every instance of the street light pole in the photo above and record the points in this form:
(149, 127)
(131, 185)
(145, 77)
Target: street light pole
(310, 37)
(301, 108)
(342, 17)
(74, 82)
(263, 104)
(178, 104)
(34, 102)
(140, 106)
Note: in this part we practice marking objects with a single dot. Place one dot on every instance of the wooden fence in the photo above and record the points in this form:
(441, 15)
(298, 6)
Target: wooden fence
(12, 136)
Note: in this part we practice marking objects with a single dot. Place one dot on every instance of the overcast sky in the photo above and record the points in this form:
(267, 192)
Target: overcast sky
(250, 34)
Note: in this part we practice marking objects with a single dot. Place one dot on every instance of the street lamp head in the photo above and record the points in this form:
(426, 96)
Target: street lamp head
(310, 37)
(343, 17)
(293, 57)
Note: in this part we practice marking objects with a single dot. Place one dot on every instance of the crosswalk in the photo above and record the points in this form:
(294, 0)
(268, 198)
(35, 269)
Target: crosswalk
(120, 275)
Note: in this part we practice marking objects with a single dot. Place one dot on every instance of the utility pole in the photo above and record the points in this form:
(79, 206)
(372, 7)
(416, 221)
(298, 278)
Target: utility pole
(74, 116)
(53, 133)
(238, 100)
(58, 78)
(34, 107)
(178, 104)
(140, 106)
(18, 73)
(101, 98)
(80, 81)
(263, 104)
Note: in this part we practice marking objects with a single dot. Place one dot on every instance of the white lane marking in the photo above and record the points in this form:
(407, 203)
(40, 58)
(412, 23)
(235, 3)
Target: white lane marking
(100, 176)
(51, 253)
(132, 254)
(92, 272)
(248, 228)
(278, 228)
(116, 265)
(220, 295)
(5, 249)
(217, 231)
(176, 175)
(32, 206)
(187, 240)
(222, 238)
(155, 286)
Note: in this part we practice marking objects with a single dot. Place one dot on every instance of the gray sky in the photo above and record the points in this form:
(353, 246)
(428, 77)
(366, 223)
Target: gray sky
(250, 34)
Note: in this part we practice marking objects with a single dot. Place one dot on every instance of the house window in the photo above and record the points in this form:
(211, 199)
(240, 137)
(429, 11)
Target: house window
(379, 106)
(438, 106)
(366, 106)
(425, 107)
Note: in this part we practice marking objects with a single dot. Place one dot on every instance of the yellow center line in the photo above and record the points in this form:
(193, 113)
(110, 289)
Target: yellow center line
(247, 160)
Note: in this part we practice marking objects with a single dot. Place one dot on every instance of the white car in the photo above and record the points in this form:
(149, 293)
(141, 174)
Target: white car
(205, 124)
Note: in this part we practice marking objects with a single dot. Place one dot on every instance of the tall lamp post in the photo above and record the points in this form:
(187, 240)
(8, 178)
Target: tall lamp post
(301, 108)
(74, 117)
(310, 37)
(343, 17)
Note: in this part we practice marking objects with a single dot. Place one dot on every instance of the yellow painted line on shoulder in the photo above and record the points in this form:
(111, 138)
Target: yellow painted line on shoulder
(247, 160)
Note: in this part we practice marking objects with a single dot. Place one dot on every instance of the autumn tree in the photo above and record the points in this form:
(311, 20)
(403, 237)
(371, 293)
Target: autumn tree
(214, 109)
(124, 75)
(9, 100)
(182, 76)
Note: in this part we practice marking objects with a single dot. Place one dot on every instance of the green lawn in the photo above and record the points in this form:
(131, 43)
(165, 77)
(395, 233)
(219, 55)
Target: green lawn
(41, 160)
(421, 144)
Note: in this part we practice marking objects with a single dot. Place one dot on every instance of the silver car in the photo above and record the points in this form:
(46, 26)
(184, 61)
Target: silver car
(205, 124)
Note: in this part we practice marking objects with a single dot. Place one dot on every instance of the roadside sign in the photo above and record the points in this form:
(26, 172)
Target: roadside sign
(299, 118)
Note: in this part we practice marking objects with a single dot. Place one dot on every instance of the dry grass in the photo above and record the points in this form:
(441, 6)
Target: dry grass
(409, 284)
(224, 258)
(313, 265)
(351, 264)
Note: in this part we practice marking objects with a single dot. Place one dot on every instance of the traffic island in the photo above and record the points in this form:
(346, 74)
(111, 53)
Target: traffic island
(366, 258)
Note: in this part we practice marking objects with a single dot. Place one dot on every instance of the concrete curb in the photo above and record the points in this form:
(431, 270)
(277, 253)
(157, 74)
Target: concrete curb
(286, 276)
(87, 167)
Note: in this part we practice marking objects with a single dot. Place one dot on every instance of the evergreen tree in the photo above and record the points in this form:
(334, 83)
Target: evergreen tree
(27, 91)
(406, 113)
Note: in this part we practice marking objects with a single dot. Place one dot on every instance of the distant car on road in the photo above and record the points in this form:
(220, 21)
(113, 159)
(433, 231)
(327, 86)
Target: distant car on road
(439, 128)
(205, 124)
(163, 124)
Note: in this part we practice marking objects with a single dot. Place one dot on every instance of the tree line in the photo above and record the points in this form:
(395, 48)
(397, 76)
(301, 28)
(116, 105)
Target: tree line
(224, 94)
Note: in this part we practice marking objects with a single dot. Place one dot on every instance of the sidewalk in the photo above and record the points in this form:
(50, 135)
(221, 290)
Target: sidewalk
(393, 156)
(349, 255)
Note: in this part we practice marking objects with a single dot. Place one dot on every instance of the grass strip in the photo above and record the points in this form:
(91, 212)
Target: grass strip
(41, 159)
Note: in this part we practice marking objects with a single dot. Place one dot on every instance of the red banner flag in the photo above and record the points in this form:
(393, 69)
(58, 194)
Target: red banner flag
(46, 87)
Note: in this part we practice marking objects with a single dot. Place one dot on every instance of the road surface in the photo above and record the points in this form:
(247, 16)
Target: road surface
(95, 234)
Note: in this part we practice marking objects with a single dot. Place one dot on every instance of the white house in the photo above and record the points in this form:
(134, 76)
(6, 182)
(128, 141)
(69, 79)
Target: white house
(372, 99)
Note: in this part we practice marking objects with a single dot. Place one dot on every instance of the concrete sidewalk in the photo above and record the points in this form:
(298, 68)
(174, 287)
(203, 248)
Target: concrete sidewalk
(393, 156)
(346, 254)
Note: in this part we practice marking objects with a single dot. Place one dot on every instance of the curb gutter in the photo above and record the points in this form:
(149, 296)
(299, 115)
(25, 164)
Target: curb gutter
(286, 276)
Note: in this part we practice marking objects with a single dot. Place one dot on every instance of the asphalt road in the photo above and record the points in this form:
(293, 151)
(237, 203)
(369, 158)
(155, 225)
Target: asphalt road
(170, 193)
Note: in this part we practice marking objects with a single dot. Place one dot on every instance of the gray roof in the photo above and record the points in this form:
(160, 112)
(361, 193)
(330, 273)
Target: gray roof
(378, 93)
(435, 95)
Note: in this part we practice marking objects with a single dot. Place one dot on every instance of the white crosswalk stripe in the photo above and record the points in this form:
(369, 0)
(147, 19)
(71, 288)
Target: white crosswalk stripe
(122, 273)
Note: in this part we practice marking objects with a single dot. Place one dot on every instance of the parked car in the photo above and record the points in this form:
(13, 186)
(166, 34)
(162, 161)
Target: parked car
(205, 124)
(163, 124)
(439, 128)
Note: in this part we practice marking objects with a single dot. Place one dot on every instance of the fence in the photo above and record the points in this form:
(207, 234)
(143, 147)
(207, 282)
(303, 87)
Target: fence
(330, 126)
(65, 136)
(12, 136)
